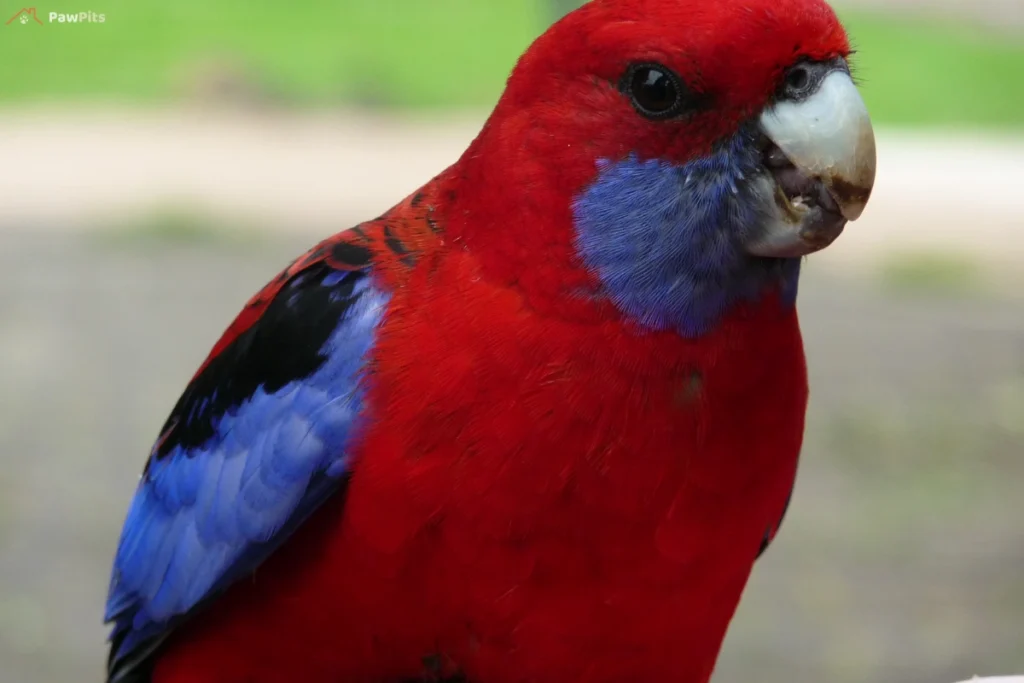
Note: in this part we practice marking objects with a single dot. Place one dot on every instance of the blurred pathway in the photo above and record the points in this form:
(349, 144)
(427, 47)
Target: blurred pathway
(1003, 14)
(316, 173)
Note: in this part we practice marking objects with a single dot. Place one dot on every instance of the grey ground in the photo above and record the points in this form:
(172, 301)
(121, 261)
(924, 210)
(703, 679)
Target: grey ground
(901, 559)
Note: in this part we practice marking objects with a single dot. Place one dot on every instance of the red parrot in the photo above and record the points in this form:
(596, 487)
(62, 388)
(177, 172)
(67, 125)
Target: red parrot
(536, 422)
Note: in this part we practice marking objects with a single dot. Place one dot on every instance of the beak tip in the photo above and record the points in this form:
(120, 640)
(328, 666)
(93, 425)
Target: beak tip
(852, 213)
(852, 198)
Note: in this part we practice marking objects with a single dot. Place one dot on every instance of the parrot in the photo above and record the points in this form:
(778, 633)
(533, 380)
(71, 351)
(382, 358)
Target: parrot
(537, 422)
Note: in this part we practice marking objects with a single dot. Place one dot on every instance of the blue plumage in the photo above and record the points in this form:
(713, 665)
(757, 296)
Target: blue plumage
(207, 513)
(665, 239)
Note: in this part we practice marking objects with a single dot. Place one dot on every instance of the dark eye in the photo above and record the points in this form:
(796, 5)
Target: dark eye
(656, 91)
(798, 81)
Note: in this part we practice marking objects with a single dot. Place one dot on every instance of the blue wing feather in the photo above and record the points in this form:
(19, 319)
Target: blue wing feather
(209, 511)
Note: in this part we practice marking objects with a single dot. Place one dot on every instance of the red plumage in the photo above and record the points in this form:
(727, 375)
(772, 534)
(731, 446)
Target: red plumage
(544, 492)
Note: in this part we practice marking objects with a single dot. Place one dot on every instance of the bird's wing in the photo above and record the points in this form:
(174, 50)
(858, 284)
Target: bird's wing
(258, 439)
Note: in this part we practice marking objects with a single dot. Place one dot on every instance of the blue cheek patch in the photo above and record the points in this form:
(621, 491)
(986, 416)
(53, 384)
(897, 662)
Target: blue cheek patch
(665, 240)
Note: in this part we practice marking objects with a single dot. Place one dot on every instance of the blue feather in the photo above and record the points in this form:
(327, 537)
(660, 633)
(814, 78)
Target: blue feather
(665, 239)
(204, 515)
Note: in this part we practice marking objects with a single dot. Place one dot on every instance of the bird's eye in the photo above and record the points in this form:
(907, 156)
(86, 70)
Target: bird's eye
(798, 81)
(656, 91)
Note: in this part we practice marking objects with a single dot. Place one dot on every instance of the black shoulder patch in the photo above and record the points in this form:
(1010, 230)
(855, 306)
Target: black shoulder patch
(351, 254)
(282, 346)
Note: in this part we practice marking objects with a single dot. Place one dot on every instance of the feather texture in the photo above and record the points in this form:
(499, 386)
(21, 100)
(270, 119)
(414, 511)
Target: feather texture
(534, 423)
(273, 447)
(666, 240)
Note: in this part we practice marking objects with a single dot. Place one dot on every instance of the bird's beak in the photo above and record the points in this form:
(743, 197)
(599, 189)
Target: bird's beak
(821, 167)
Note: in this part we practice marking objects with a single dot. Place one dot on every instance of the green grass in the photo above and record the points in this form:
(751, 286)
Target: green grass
(412, 52)
(937, 72)
(431, 53)
(177, 225)
(933, 273)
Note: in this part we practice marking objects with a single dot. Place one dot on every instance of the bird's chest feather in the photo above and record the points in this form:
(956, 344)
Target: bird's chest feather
(563, 490)
(553, 501)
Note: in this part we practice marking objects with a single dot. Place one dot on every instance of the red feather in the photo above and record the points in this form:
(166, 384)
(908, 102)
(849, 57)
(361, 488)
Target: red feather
(545, 492)
(409, 220)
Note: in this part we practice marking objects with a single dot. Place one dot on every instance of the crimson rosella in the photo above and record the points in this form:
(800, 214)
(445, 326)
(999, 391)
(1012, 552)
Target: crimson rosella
(537, 421)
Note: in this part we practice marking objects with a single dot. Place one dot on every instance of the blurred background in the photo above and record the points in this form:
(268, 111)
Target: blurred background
(159, 166)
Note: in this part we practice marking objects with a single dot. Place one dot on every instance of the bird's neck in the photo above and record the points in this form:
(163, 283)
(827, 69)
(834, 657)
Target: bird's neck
(653, 242)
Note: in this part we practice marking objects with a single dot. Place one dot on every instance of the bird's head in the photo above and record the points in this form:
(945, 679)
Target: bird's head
(673, 157)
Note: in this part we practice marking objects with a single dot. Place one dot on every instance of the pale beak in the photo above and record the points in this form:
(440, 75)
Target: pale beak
(822, 166)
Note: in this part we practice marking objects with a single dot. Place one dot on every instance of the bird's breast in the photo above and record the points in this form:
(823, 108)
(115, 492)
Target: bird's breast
(530, 501)
(593, 499)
